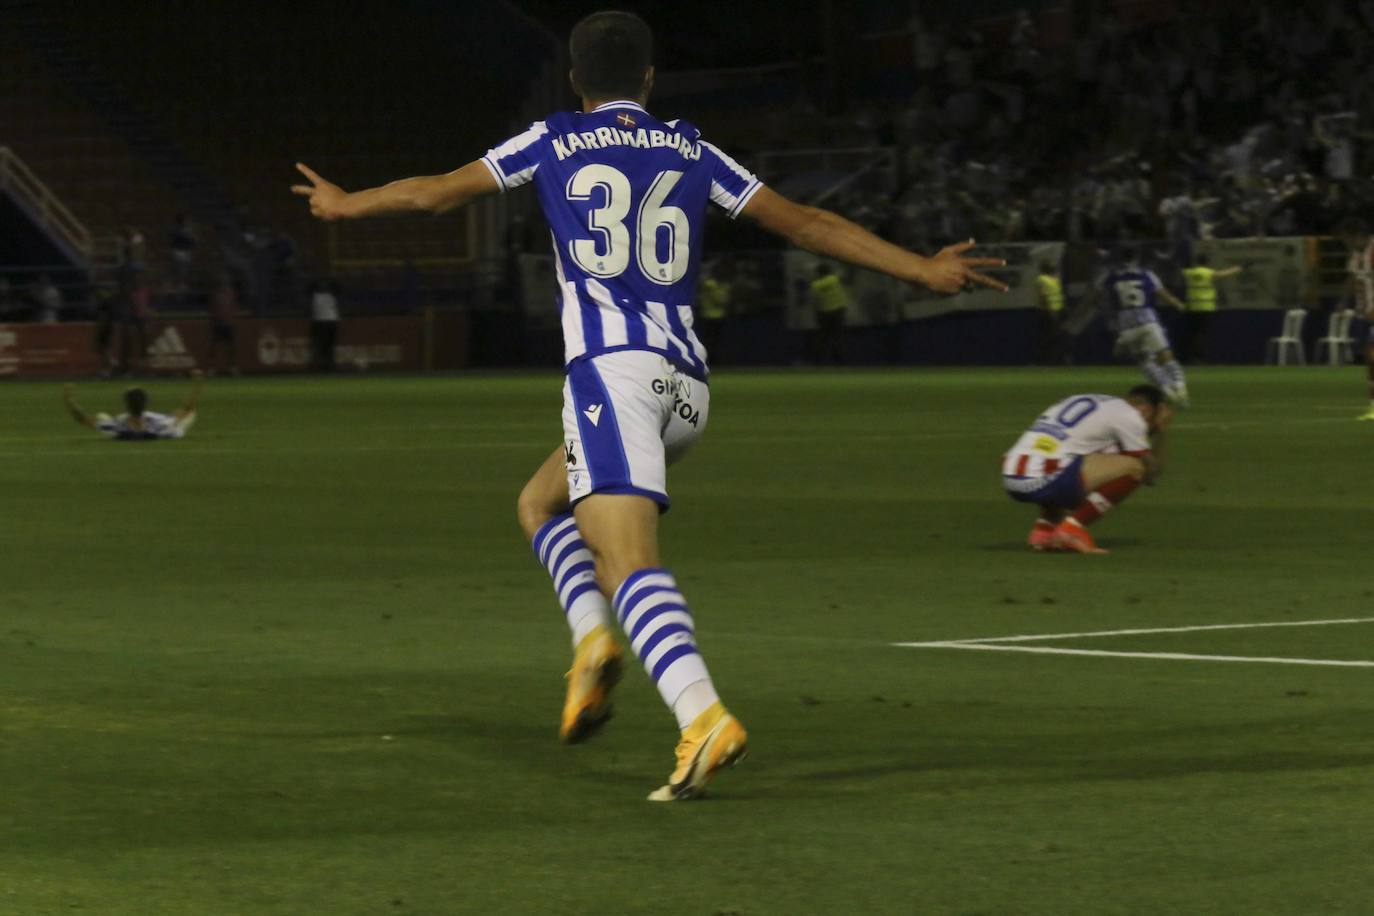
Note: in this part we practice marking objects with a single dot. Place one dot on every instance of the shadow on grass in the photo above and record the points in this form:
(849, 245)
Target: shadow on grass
(1121, 754)
(1020, 546)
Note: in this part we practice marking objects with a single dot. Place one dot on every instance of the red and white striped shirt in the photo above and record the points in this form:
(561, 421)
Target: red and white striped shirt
(1083, 424)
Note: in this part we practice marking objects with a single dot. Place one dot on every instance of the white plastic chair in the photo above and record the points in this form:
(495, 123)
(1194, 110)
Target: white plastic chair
(1337, 344)
(1290, 341)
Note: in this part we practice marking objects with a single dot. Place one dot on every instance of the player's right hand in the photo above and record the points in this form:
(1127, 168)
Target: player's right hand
(1164, 417)
(326, 198)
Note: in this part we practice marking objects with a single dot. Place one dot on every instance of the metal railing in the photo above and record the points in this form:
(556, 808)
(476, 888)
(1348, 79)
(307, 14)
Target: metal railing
(18, 179)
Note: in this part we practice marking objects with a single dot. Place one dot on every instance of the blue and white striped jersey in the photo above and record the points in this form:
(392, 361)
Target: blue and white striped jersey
(625, 196)
(153, 426)
(1132, 295)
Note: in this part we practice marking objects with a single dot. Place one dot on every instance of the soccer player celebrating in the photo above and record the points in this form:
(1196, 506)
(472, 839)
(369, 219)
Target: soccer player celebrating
(1131, 294)
(1355, 233)
(1083, 456)
(139, 423)
(625, 195)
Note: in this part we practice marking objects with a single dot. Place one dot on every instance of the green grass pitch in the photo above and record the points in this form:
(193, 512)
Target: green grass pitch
(302, 662)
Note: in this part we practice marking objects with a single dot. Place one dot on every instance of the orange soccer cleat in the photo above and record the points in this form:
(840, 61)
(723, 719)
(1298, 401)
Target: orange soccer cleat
(1041, 535)
(1070, 535)
(596, 669)
(714, 741)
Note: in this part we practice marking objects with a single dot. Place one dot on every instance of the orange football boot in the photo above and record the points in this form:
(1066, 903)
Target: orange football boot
(1070, 535)
(713, 741)
(1041, 535)
(595, 671)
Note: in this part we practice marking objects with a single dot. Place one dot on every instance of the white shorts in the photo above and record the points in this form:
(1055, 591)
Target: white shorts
(626, 417)
(1142, 342)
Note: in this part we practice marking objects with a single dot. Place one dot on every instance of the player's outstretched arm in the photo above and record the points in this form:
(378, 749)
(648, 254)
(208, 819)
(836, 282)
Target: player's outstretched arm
(826, 233)
(423, 194)
(1170, 299)
(1227, 272)
(73, 408)
(188, 406)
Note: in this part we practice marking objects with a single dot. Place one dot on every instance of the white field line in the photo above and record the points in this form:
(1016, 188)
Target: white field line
(1000, 643)
(1043, 637)
(1174, 656)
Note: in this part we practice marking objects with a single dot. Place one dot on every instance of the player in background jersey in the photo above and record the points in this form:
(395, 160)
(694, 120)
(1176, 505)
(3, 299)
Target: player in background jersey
(1083, 456)
(139, 423)
(1132, 294)
(625, 195)
(1355, 234)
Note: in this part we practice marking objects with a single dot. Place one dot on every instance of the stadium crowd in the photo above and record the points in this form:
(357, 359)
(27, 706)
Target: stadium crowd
(1219, 121)
(991, 143)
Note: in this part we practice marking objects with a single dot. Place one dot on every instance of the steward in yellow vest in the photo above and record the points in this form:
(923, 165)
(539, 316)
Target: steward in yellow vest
(1202, 303)
(1049, 336)
(713, 307)
(830, 300)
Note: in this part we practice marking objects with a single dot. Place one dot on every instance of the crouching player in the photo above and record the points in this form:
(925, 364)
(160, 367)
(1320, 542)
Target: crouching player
(139, 423)
(1083, 456)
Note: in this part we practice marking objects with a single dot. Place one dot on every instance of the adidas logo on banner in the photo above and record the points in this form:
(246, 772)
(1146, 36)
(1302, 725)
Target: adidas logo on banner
(168, 351)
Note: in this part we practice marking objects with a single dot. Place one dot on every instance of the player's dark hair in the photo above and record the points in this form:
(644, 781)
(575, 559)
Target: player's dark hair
(1200, 259)
(1151, 394)
(610, 53)
(136, 400)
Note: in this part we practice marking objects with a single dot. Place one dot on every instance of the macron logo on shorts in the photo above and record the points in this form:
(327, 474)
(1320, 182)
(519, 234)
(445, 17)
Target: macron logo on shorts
(594, 414)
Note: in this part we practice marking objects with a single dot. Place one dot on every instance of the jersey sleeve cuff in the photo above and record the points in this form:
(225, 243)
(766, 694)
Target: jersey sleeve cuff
(495, 172)
(744, 198)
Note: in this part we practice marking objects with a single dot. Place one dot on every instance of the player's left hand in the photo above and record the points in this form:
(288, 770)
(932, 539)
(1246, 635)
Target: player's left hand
(326, 198)
(951, 272)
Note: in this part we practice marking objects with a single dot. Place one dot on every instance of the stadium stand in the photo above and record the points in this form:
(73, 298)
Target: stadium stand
(76, 154)
(383, 97)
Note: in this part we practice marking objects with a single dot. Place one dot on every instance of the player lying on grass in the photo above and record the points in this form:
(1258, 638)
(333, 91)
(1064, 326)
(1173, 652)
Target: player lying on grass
(1083, 456)
(1131, 295)
(625, 195)
(139, 423)
(1355, 233)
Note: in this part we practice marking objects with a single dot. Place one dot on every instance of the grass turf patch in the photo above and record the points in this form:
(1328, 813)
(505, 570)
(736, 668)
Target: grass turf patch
(302, 661)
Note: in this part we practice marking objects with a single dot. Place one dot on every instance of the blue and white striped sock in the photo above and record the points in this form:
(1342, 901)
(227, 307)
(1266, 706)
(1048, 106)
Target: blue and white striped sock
(1155, 373)
(559, 546)
(655, 618)
(1174, 372)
